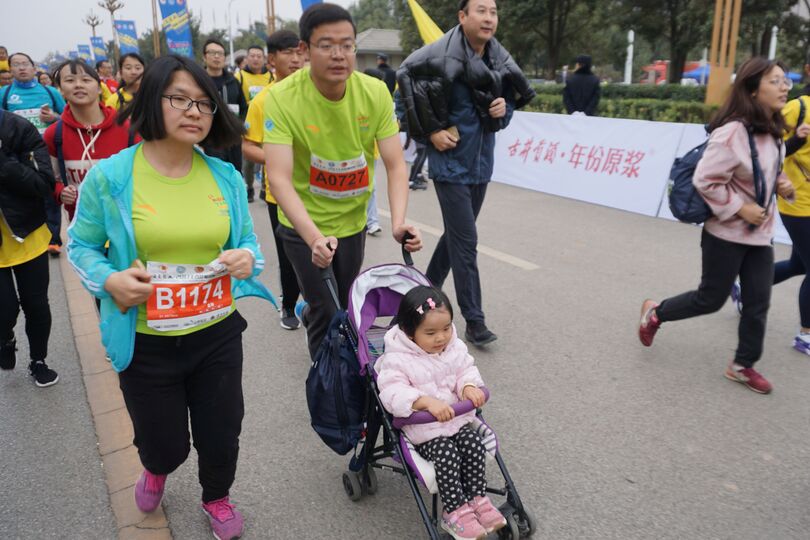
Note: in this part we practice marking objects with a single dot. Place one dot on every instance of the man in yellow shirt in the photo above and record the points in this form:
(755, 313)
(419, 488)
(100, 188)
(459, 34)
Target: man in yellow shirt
(253, 79)
(285, 57)
(320, 126)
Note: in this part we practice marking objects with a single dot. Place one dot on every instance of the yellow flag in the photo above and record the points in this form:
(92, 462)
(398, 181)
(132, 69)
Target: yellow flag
(427, 28)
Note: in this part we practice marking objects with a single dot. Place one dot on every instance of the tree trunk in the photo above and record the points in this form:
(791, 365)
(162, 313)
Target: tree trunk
(676, 65)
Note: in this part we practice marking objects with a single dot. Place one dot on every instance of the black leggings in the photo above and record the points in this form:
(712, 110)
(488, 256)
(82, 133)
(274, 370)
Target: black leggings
(460, 464)
(198, 375)
(723, 261)
(799, 230)
(32, 284)
(289, 283)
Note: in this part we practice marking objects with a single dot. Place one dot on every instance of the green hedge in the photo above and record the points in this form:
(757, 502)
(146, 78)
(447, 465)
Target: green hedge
(674, 92)
(637, 109)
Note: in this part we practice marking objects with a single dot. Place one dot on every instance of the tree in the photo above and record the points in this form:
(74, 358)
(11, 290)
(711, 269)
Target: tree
(686, 25)
(373, 14)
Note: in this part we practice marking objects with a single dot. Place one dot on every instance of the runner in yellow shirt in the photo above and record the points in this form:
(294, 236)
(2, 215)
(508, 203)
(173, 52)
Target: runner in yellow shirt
(285, 57)
(320, 127)
(132, 66)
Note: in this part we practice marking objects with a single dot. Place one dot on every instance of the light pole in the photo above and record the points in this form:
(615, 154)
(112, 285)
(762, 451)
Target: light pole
(155, 31)
(230, 31)
(92, 20)
(628, 64)
(112, 6)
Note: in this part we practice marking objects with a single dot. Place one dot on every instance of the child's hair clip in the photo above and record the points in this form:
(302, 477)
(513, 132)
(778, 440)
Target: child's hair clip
(431, 303)
(419, 310)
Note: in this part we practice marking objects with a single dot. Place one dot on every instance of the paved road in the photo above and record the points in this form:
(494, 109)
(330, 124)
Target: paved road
(604, 438)
(51, 481)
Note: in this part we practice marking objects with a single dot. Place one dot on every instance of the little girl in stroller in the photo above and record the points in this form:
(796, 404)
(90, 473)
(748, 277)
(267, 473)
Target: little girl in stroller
(427, 367)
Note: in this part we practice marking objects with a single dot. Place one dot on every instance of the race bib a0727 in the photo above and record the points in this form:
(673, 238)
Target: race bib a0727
(338, 179)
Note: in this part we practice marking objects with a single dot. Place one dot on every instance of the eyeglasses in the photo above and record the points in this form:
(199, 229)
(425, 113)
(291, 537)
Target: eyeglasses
(783, 81)
(183, 103)
(345, 49)
(215, 54)
(22, 64)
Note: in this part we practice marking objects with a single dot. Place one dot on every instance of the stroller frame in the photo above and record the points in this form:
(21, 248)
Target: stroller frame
(360, 479)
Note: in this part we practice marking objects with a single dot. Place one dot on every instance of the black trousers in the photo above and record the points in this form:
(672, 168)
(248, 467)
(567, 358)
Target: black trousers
(53, 217)
(346, 265)
(799, 230)
(32, 279)
(289, 283)
(419, 162)
(723, 261)
(200, 375)
(458, 246)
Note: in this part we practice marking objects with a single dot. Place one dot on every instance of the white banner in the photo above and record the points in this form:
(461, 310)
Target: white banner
(618, 163)
(613, 162)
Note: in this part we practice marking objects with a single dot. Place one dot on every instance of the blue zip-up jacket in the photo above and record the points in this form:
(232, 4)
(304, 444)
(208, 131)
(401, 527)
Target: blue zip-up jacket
(104, 211)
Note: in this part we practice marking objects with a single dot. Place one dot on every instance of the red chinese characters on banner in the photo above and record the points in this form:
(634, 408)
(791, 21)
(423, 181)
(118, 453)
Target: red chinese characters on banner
(595, 159)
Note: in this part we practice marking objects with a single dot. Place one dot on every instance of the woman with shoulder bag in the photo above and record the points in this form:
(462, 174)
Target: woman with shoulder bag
(737, 177)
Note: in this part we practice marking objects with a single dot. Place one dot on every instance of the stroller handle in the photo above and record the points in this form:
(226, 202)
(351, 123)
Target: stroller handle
(424, 417)
(328, 275)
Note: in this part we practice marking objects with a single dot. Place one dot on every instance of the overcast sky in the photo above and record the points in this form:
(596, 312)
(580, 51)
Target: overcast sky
(41, 26)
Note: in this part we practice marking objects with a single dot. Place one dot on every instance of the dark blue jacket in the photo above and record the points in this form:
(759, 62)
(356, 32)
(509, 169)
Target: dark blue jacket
(472, 160)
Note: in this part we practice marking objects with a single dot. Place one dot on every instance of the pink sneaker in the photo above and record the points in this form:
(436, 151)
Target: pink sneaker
(149, 491)
(226, 521)
(750, 378)
(462, 524)
(489, 517)
(649, 323)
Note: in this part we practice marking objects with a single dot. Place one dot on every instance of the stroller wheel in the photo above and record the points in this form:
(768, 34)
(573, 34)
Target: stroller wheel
(526, 523)
(370, 484)
(351, 485)
(511, 531)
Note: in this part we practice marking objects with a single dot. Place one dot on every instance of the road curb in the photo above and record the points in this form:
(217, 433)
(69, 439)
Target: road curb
(114, 432)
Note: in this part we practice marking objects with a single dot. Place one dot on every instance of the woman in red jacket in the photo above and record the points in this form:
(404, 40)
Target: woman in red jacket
(86, 133)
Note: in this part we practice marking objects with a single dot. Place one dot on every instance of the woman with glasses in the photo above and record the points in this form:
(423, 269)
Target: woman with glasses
(182, 248)
(737, 239)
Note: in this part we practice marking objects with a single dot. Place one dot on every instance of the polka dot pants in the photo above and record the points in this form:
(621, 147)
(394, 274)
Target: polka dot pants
(460, 463)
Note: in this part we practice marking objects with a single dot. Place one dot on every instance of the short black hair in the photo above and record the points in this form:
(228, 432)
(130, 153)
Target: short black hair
(319, 14)
(409, 317)
(210, 41)
(75, 64)
(100, 63)
(133, 55)
(146, 108)
(239, 59)
(281, 40)
(257, 47)
(462, 5)
(11, 58)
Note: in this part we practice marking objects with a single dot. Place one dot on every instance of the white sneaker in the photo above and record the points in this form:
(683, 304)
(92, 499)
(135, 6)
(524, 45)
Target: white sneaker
(374, 230)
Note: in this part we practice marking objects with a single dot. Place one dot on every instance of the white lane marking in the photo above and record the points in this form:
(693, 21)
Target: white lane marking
(486, 250)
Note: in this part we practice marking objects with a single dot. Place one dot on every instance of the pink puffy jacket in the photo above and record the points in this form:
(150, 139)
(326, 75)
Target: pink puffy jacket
(406, 373)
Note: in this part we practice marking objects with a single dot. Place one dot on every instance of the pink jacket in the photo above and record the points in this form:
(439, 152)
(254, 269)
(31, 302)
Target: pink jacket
(406, 373)
(725, 178)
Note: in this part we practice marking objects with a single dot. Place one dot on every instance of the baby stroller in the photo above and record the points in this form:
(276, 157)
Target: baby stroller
(375, 295)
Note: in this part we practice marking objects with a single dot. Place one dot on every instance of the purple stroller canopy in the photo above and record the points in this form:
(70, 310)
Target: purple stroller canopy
(376, 293)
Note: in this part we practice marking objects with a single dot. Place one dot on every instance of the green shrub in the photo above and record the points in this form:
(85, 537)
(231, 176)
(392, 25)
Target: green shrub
(637, 109)
(674, 92)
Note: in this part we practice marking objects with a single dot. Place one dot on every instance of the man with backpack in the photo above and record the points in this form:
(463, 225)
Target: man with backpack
(40, 105)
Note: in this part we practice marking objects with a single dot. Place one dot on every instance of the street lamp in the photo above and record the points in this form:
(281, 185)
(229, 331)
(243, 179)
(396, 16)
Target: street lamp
(112, 6)
(230, 31)
(92, 20)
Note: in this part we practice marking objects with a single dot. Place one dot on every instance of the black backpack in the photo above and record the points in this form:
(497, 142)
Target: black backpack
(686, 204)
(335, 389)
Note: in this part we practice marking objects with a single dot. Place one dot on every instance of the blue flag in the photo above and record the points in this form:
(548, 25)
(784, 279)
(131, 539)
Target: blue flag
(127, 36)
(73, 55)
(99, 50)
(84, 52)
(306, 3)
(176, 26)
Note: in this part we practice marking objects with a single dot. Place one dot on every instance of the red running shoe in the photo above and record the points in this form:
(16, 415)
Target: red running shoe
(750, 378)
(649, 323)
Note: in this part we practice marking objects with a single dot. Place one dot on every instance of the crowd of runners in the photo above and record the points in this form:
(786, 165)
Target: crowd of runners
(131, 160)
